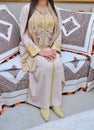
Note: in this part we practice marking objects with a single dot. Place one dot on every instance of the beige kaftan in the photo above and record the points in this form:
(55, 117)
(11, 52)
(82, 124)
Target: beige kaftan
(45, 78)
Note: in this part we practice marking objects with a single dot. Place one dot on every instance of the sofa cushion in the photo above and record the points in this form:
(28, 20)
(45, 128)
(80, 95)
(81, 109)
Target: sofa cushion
(77, 31)
(9, 33)
(76, 74)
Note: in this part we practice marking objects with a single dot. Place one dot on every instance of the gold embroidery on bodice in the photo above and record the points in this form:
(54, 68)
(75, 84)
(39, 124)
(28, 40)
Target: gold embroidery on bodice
(43, 27)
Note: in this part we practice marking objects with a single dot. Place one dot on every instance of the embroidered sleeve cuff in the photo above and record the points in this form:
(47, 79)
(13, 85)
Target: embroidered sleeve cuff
(33, 50)
(57, 47)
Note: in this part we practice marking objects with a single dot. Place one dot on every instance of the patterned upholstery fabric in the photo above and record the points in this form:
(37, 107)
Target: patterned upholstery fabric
(13, 80)
(9, 34)
(90, 79)
(76, 68)
(77, 31)
(13, 86)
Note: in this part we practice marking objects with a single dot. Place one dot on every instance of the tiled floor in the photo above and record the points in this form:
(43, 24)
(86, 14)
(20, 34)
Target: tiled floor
(27, 116)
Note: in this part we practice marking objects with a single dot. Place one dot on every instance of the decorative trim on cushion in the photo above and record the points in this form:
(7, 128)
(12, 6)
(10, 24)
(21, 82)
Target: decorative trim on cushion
(9, 58)
(13, 62)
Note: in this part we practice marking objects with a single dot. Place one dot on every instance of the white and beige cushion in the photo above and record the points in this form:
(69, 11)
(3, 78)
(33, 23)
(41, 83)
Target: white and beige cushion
(77, 31)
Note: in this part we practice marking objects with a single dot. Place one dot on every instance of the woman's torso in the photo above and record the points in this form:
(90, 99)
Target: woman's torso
(41, 26)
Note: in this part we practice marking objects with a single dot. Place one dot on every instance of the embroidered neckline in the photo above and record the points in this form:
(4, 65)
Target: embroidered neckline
(42, 12)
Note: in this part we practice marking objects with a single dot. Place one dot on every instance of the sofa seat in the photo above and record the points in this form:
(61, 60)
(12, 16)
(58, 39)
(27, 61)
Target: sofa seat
(14, 82)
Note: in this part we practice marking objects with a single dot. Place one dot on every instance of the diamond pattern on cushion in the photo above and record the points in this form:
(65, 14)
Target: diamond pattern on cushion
(77, 31)
(69, 26)
(13, 80)
(9, 33)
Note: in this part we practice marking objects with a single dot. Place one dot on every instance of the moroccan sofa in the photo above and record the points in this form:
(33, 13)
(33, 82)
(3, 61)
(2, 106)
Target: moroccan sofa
(77, 55)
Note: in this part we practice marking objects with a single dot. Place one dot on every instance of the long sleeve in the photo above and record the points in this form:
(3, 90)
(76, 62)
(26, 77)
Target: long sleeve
(25, 37)
(57, 42)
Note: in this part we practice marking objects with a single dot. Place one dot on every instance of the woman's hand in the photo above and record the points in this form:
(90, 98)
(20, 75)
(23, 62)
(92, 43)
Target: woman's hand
(49, 54)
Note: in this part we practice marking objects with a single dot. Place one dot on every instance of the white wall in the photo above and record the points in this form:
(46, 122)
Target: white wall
(15, 7)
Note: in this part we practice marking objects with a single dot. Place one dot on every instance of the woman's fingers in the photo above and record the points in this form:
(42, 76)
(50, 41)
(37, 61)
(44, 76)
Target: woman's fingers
(48, 54)
(50, 58)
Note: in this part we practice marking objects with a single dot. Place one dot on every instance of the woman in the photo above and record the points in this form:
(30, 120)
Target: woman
(40, 51)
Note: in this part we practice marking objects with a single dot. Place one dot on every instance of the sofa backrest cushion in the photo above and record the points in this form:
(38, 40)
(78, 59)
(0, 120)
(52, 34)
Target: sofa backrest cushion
(9, 34)
(77, 31)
